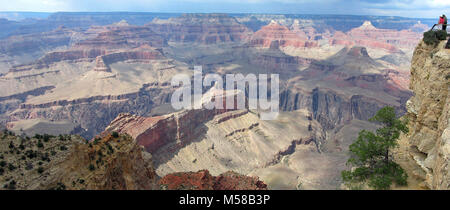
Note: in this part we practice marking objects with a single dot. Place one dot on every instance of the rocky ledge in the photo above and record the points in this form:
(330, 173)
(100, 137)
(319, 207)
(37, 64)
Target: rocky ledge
(425, 151)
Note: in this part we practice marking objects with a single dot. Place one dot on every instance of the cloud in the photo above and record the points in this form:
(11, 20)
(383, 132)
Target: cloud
(408, 8)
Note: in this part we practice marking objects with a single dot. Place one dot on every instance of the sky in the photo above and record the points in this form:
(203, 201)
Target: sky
(405, 8)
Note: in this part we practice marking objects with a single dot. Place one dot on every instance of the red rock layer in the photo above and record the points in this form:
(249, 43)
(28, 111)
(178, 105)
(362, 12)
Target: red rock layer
(177, 129)
(275, 35)
(203, 180)
(369, 36)
(155, 132)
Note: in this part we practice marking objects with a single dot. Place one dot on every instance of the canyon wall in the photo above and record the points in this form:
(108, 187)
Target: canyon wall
(426, 148)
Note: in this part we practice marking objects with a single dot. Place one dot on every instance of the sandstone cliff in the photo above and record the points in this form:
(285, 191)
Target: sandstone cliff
(425, 151)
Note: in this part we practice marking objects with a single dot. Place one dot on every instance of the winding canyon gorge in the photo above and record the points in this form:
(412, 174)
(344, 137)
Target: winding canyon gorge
(107, 78)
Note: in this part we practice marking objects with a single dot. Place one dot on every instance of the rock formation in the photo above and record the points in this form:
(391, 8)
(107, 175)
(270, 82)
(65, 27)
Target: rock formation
(68, 162)
(425, 150)
(203, 180)
(369, 36)
(201, 28)
(275, 36)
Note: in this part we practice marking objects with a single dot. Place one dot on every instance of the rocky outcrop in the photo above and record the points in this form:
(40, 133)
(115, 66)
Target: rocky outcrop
(143, 54)
(275, 35)
(427, 145)
(100, 65)
(114, 162)
(203, 180)
(68, 162)
(156, 132)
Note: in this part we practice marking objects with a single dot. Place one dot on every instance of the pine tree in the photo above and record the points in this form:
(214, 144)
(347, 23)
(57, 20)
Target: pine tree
(370, 155)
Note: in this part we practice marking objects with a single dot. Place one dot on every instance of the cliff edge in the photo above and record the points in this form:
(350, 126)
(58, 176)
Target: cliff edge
(425, 151)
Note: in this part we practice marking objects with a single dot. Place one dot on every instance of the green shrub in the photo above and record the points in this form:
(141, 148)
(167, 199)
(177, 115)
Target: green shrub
(40, 144)
(46, 137)
(115, 134)
(430, 38)
(12, 185)
(60, 186)
(433, 37)
(40, 170)
(11, 167)
(441, 35)
(2, 163)
(31, 154)
(110, 149)
(91, 167)
(11, 145)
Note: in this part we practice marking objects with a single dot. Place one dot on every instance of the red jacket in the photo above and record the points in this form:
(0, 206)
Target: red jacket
(441, 20)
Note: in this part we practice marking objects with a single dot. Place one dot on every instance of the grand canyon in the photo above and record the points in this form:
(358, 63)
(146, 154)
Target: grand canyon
(103, 81)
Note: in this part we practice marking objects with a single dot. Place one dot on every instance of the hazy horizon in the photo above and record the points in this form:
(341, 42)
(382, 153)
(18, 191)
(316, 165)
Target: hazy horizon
(399, 8)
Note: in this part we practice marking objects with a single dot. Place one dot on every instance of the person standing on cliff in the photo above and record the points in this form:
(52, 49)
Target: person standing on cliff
(443, 22)
(444, 27)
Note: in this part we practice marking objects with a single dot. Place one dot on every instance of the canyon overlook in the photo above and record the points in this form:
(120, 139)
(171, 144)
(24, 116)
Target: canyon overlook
(115, 76)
